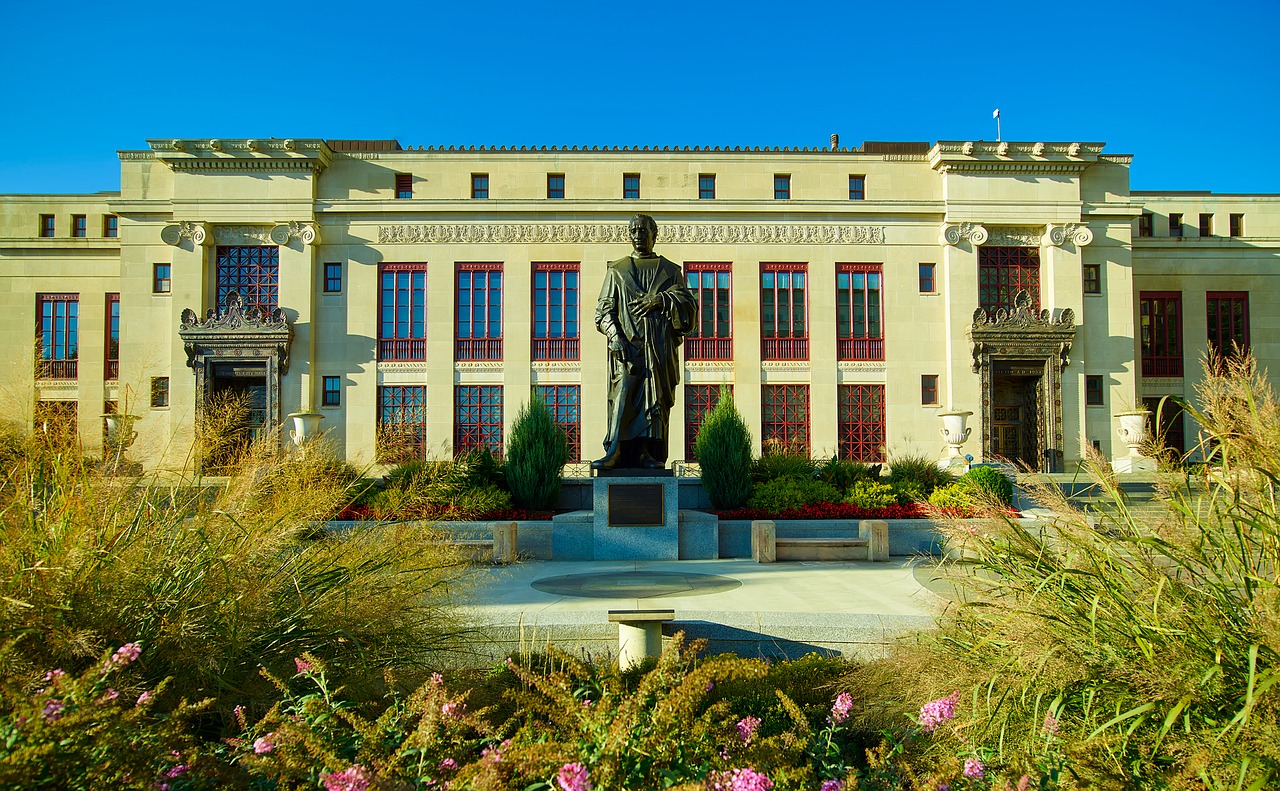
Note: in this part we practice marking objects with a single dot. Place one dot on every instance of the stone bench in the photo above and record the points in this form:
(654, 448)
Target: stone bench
(502, 546)
(872, 543)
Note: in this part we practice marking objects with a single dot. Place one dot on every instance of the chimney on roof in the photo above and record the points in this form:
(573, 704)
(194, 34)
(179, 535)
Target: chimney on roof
(835, 142)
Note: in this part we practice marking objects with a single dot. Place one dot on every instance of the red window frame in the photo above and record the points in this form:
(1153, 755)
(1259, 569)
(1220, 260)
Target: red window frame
(860, 311)
(1003, 272)
(402, 312)
(111, 368)
(699, 400)
(1094, 390)
(784, 317)
(405, 406)
(479, 290)
(862, 422)
(784, 419)
(712, 287)
(1235, 224)
(928, 278)
(1227, 320)
(557, 310)
(252, 271)
(928, 389)
(404, 186)
(477, 419)
(857, 187)
(565, 403)
(1160, 332)
(58, 333)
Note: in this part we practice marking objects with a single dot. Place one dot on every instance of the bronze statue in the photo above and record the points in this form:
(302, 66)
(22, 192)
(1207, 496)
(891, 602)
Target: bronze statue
(645, 310)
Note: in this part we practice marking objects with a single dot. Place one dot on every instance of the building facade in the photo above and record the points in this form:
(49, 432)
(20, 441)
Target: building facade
(847, 295)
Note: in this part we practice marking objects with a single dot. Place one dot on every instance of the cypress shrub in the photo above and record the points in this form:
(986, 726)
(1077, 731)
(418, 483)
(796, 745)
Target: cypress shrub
(536, 454)
(724, 454)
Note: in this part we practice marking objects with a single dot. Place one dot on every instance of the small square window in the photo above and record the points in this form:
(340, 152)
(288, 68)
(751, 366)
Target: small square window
(555, 186)
(110, 226)
(1175, 225)
(161, 282)
(1236, 225)
(1206, 225)
(1146, 221)
(929, 390)
(1093, 390)
(631, 186)
(928, 278)
(332, 395)
(404, 185)
(1092, 278)
(333, 277)
(857, 188)
(479, 186)
(46, 226)
(79, 226)
(782, 186)
(706, 186)
(159, 392)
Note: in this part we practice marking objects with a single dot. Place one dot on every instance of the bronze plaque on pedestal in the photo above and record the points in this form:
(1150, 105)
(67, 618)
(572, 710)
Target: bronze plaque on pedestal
(636, 505)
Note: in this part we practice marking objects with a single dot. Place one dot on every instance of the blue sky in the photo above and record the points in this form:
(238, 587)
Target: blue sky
(1190, 89)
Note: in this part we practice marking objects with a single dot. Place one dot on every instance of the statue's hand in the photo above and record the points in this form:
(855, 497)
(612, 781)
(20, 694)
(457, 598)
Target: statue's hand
(651, 304)
(616, 344)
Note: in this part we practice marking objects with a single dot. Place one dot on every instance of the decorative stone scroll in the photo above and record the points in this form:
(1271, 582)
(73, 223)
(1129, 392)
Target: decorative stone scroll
(613, 233)
(952, 234)
(197, 232)
(1058, 235)
(307, 232)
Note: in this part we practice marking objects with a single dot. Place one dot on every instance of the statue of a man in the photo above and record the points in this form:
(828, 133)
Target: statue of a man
(645, 310)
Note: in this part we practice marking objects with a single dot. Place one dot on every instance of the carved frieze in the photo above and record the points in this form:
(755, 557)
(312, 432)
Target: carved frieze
(616, 233)
(548, 366)
(197, 232)
(1016, 235)
(952, 234)
(243, 235)
(861, 366)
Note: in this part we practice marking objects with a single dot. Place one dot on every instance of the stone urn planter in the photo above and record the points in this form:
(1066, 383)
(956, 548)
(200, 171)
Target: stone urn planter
(120, 432)
(955, 432)
(1134, 432)
(306, 426)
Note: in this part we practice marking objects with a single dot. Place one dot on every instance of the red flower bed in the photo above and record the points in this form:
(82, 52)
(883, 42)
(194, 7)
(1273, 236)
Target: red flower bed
(828, 511)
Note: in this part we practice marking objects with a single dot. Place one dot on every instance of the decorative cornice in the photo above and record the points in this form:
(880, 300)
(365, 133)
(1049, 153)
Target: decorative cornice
(616, 233)
(785, 365)
(950, 234)
(238, 330)
(549, 366)
(1004, 156)
(1022, 316)
(197, 232)
(861, 366)
(310, 155)
(236, 317)
(126, 155)
(402, 367)
(462, 367)
(1016, 235)
(708, 365)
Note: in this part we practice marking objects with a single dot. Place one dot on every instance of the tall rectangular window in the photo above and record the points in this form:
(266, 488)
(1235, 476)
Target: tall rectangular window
(402, 418)
(159, 392)
(555, 186)
(479, 313)
(556, 326)
(332, 392)
(79, 226)
(1161, 332)
(112, 370)
(402, 312)
(699, 400)
(1146, 222)
(110, 226)
(161, 278)
(1091, 278)
(928, 278)
(706, 186)
(631, 186)
(1166, 417)
(1206, 225)
(46, 226)
(857, 188)
(784, 326)
(859, 307)
(1227, 316)
(404, 185)
(565, 403)
(784, 423)
(862, 422)
(1175, 225)
(254, 272)
(1236, 224)
(1003, 272)
(333, 277)
(928, 389)
(477, 421)
(713, 337)
(58, 328)
(1093, 390)
(782, 186)
(480, 186)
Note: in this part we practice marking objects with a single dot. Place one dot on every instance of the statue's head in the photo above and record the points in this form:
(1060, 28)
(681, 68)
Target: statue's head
(644, 232)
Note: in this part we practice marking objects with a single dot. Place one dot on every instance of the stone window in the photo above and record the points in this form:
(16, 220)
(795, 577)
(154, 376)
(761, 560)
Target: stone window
(929, 390)
(58, 333)
(713, 338)
(333, 277)
(1146, 222)
(556, 325)
(46, 226)
(857, 188)
(480, 186)
(1161, 332)
(782, 186)
(861, 422)
(859, 306)
(477, 419)
(1227, 317)
(1236, 223)
(928, 278)
(79, 226)
(706, 186)
(1093, 394)
(1206, 225)
(1003, 272)
(565, 403)
(699, 400)
(631, 186)
(112, 368)
(1091, 278)
(161, 278)
(159, 392)
(404, 186)
(555, 186)
(402, 416)
(332, 392)
(110, 226)
(1175, 225)
(784, 326)
(479, 312)
(254, 272)
(402, 312)
(784, 424)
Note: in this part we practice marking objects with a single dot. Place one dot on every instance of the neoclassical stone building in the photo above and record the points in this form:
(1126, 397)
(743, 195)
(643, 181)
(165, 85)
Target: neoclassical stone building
(848, 295)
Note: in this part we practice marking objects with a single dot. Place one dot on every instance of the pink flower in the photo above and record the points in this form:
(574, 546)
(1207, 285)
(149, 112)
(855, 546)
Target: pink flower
(350, 779)
(452, 709)
(109, 695)
(143, 699)
(126, 653)
(447, 764)
(841, 708)
(176, 771)
(938, 712)
(54, 675)
(304, 667)
(586, 704)
(574, 777)
(1050, 724)
(747, 727)
(494, 754)
(973, 769)
(832, 785)
(1024, 783)
(710, 686)
(437, 680)
(746, 779)
(264, 744)
(52, 710)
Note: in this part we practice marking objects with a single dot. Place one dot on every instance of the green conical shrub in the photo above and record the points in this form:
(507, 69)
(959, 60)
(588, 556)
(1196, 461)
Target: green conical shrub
(536, 455)
(724, 454)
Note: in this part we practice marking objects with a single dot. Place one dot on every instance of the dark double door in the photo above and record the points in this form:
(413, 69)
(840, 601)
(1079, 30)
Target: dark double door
(1017, 411)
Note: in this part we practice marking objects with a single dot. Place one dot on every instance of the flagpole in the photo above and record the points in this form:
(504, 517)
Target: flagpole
(996, 114)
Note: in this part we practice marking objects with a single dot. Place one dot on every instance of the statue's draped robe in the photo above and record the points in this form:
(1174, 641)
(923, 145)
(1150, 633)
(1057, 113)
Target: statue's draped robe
(655, 338)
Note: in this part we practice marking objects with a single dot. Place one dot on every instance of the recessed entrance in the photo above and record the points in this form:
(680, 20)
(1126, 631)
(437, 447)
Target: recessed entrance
(1016, 414)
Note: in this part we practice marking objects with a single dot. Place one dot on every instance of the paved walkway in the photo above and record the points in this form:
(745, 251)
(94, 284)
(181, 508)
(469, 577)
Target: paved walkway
(777, 610)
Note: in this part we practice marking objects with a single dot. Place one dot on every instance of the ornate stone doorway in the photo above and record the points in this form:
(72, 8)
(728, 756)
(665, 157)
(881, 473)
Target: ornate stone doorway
(1017, 398)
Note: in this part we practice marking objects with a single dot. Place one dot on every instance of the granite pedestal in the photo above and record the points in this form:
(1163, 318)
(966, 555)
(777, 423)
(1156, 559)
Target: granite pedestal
(636, 516)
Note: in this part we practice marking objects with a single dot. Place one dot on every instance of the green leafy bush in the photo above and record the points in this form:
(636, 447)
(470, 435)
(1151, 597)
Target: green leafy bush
(951, 496)
(536, 455)
(772, 466)
(917, 471)
(724, 454)
(990, 480)
(842, 473)
(866, 493)
(781, 494)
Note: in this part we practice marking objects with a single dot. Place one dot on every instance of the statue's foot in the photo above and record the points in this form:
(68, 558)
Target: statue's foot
(648, 462)
(608, 462)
